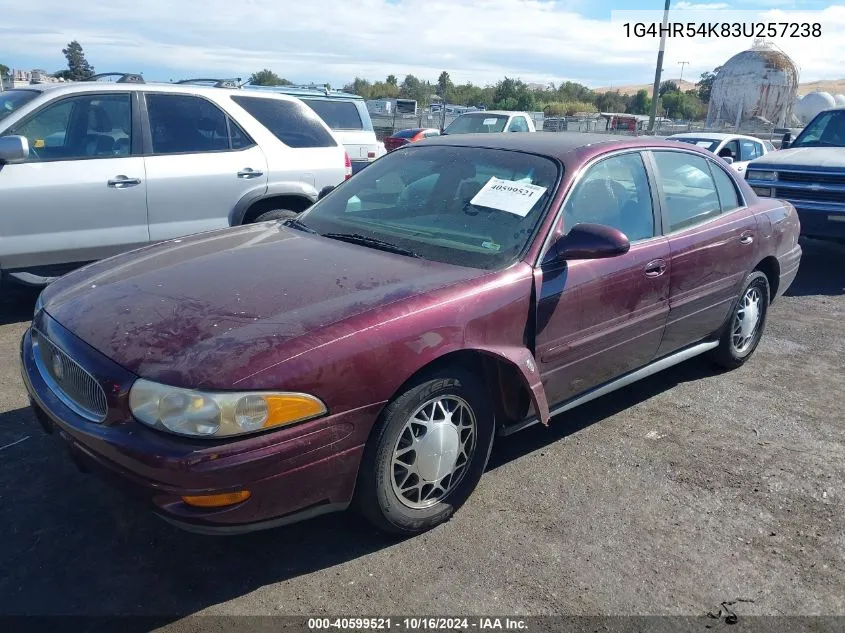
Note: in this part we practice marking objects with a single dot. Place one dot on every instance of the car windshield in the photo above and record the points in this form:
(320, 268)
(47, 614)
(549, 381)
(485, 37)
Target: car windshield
(477, 124)
(706, 143)
(11, 100)
(826, 130)
(465, 206)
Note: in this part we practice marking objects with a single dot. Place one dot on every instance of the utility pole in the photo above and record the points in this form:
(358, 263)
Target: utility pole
(659, 69)
(681, 80)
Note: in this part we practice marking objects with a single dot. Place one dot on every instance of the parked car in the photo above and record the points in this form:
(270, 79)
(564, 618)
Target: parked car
(403, 137)
(91, 169)
(345, 113)
(490, 121)
(809, 172)
(458, 289)
(737, 150)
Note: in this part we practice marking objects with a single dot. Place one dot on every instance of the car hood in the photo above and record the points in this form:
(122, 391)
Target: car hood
(812, 158)
(208, 308)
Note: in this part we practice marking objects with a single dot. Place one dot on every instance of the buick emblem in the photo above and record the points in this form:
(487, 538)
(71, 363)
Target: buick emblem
(58, 368)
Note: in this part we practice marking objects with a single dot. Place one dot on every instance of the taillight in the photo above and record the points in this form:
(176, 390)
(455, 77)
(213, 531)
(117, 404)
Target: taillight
(348, 165)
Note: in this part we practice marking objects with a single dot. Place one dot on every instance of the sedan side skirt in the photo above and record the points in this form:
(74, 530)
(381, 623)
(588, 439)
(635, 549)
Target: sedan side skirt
(617, 383)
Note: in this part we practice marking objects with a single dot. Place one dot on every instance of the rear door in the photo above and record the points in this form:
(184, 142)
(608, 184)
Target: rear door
(199, 164)
(82, 193)
(598, 319)
(712, 239)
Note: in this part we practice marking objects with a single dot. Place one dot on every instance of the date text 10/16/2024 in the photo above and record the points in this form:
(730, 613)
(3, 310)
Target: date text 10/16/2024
(419, 624)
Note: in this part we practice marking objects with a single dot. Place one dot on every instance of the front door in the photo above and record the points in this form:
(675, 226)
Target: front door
(713, 242)
(82, 193)
(200, 165)
(598, 319)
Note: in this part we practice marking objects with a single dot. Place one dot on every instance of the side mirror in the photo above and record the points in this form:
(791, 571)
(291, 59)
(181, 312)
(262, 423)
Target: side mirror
(13, 149)
(728, 159)
(589, 241)
(325, 191)
(786, 141)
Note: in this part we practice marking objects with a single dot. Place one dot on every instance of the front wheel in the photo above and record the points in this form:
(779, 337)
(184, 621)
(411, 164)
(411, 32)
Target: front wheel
(745, 326)
(426, 453)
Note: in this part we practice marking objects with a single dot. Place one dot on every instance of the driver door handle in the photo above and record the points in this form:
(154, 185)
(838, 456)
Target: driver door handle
(249, 172)
(746, 238)
(655, 268)
(121, 182)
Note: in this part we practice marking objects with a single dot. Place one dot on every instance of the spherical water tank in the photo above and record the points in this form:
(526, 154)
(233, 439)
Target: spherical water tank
(812, 104)
(839, 100)
(760, 82)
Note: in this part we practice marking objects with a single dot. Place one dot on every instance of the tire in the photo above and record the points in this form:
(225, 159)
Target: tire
(386, 493)
(276, 214)
(735, 346)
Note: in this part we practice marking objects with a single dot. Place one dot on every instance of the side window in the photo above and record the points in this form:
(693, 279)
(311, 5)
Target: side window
(184, 124)
(728, 196)
(751, 150)
(290, 121)
(519, 124)
(688, 189)
(86, 126)
(238, 137)
(730, 150)
(614, 192)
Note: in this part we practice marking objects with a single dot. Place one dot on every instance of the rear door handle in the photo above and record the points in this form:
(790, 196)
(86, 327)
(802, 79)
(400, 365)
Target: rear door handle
(655, 268)
(121, 182)
(249, 172)
(746, 238)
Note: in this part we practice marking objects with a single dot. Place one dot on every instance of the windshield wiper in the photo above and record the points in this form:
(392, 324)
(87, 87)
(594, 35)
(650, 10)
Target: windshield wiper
(357, 238)
(298, 224)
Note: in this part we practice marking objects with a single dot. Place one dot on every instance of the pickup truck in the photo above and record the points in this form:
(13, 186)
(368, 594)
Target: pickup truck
(809, 172)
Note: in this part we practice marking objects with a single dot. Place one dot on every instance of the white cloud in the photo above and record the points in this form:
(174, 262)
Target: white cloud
(335, 40)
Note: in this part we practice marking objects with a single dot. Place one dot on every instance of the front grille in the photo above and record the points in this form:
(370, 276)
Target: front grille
(811, 178)
(817, 196)
(75, 387)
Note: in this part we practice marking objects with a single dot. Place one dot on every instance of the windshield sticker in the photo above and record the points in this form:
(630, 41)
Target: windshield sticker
(492, 246)
(492, 121)
(510, 196)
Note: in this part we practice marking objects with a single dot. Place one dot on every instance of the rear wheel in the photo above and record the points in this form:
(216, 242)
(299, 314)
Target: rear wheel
(745, 326)
(426, 453)
(276, 214)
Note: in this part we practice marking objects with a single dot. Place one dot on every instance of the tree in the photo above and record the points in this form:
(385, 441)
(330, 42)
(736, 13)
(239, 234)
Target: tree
(267, 77)
(512, 94)
(640, 103)
(667, 86)
(78, 68)
(391, 79)
(611, 102)
(413, 88)
(705, 84)
(4, 70)
(444, 85)
(360, 87)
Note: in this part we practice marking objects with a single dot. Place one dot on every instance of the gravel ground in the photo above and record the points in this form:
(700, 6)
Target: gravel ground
(669, 497)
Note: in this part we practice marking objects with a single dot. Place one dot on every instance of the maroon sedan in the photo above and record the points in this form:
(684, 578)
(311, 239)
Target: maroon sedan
(369, 351)
(404, 137)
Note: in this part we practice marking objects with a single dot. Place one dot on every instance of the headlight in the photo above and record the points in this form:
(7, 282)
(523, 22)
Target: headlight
(39, 303)
(756, 174)
(220, 414)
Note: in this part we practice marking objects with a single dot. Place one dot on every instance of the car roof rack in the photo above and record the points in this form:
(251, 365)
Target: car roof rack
(232, 82)
(125, 78)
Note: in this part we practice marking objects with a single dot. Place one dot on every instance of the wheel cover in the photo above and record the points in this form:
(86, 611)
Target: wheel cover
(746, 322)
(433, 451)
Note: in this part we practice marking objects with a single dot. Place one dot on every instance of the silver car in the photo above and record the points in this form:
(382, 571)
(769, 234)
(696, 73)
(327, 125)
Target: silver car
(92, 169)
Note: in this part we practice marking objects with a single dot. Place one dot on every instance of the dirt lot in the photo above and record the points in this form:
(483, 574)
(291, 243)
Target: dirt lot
(669, 497)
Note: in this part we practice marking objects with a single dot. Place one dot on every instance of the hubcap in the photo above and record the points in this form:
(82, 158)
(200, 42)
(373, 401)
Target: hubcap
(433, 451)
(746, 322)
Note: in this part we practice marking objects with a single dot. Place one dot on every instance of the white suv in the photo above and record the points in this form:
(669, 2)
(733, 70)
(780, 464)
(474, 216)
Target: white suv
(91, 169)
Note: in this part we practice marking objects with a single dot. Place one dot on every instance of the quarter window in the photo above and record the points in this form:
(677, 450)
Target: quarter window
(519, 124)
(688, 189)
(184, 124)
(726, 189)
(750, 150)
(86, 126)
(614, 192)
(289, 121)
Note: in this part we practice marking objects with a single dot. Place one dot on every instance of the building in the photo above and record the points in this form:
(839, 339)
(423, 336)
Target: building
(758, 85)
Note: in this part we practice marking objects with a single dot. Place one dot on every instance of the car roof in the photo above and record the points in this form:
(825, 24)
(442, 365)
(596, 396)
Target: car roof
(713, 136)
(76, 87)
(551, 144)
(311, 93)
(497, 112)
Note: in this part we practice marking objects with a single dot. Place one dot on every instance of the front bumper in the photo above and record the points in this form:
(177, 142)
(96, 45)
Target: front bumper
(293, 473)
(820, 222)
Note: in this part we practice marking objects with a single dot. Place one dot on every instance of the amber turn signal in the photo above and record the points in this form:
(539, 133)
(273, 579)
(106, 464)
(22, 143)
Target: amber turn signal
(218, 500)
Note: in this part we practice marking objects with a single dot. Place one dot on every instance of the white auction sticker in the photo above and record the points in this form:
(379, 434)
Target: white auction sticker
(492, 121)
(508, 195)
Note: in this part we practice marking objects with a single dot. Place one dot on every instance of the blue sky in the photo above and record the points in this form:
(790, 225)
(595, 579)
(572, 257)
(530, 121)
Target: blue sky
(335, 40)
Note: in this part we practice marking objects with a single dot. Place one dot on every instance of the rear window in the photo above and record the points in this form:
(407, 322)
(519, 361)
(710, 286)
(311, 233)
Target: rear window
(338, 115)
(290, 122)
(406, 133)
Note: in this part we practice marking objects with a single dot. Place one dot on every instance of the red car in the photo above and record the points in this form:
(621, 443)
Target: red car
(404, 137)
(370, 350)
